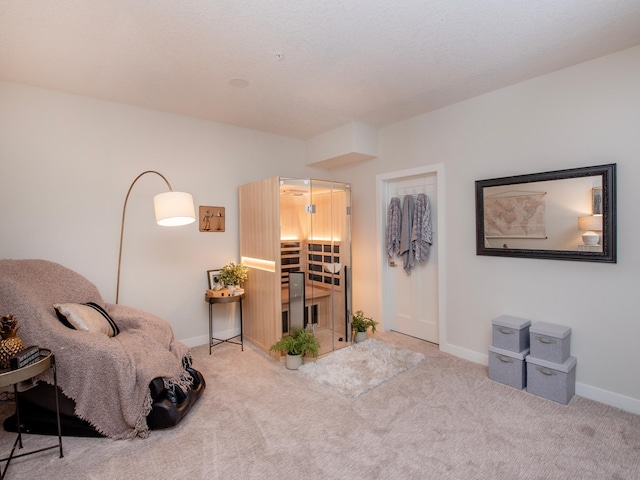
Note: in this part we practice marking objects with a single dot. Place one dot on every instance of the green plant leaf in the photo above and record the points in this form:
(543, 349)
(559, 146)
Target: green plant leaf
(300, 342)
(360, 323)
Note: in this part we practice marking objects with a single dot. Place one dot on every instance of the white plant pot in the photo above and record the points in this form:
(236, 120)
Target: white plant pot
(292, 362)
(361, 337)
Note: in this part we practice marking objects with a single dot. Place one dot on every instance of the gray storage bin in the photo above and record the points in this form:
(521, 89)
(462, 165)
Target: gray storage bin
(511, 333)
(550, 380)
(508, 367)
(550, 342)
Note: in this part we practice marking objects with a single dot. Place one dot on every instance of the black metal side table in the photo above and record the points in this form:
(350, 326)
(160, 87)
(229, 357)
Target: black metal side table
(218, 300)
(13, 377)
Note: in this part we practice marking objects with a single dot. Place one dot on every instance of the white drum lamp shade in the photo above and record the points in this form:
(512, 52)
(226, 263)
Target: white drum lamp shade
(174, 209)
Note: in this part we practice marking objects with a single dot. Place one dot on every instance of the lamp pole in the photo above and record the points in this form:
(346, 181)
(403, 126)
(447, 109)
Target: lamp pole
(124, 212)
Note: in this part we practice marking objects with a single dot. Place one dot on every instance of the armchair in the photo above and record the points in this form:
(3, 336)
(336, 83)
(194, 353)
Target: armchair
(119, 385)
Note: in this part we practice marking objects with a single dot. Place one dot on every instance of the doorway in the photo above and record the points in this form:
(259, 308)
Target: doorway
(413, 304)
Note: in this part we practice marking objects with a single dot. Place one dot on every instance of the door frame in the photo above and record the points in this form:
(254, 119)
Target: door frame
(382, 200)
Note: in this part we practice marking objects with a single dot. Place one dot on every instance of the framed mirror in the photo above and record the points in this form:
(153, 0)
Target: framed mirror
(563, 215)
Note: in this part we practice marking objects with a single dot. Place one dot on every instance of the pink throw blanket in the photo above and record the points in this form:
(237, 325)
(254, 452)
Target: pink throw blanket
(108, 378)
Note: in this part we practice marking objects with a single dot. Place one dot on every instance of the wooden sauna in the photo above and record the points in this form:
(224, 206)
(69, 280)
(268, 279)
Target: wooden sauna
(296, 228)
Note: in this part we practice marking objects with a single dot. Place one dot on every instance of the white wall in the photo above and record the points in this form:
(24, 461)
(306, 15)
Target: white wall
(585, 115)
(66, 165)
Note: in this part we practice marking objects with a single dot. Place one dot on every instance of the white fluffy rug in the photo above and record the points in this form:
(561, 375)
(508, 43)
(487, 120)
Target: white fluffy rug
(359, 368)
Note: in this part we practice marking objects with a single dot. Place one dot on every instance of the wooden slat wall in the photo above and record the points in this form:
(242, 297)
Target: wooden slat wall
(259, 230)
(294, 221)
(328, 221)
(259, 210)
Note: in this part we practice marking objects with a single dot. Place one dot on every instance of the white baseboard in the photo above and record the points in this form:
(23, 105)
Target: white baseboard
(195, 341)
(204, 339)
(587, 391)
(470, 355)
(609, 398)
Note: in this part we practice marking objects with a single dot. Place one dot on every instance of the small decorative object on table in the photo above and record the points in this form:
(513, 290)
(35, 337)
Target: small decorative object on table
(10, 343)
(25, 357)
(360, 324)
(233, 276)
(220, 292)
(213, 277)
(296, 345)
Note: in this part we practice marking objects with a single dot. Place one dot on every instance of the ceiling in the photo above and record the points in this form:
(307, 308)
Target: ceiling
(300, 67)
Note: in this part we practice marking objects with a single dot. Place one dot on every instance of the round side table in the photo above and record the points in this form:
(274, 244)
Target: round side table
(220, 300)
(12, 377)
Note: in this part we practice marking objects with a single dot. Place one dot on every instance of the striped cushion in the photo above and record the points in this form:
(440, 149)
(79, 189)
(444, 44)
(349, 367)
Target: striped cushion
(89, 317)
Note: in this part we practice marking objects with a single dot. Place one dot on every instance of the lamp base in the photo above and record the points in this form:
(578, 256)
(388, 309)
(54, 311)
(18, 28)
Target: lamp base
(590, 238)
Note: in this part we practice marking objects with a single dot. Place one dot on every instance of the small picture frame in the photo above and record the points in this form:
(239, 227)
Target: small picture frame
(596, 200)
(211, 219)
(213, 277)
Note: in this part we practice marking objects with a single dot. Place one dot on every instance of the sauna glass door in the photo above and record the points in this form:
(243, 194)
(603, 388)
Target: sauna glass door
(315, 232)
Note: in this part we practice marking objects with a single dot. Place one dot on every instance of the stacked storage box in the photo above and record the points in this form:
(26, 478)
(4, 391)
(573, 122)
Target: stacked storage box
(509, 348)
(551, 371)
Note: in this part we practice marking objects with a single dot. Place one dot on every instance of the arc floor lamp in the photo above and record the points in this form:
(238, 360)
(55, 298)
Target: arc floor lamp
(172, 209)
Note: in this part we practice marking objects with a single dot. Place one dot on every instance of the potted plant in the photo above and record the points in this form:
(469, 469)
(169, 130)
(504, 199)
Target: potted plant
(360, 324)
(296, 345)
(233, 275)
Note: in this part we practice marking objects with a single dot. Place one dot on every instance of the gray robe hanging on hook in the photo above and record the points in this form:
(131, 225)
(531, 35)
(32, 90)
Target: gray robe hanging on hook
(406, 246)
(421, 231)
(394, 224)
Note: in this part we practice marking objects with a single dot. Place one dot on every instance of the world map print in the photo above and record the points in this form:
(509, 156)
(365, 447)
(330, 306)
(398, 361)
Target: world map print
(515, 215)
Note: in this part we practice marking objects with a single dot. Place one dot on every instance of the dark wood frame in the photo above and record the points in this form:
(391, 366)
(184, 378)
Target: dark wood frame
(609, 250)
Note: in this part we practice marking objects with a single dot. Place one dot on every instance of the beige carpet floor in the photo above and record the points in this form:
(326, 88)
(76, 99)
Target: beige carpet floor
(442, 419)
